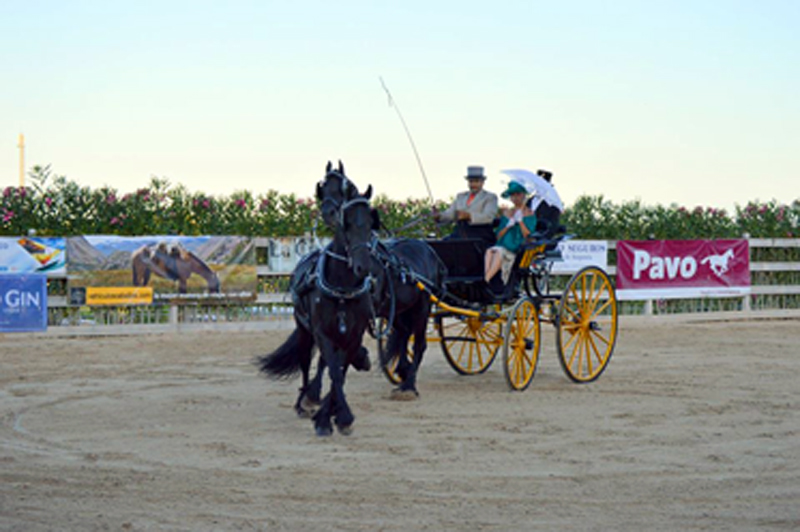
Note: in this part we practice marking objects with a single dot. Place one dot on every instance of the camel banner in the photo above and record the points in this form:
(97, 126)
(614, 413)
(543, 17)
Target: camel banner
(664, 269)
(176, 268)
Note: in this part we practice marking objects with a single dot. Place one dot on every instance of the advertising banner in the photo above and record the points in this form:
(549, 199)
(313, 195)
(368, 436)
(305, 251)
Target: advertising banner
(284, 253)
(23, 303)
(664, 269)
(577, 254)
(175, 268)
(33, 255)
(123, 295)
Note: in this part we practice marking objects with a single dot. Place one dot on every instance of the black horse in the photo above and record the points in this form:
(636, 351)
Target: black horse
(405, 307)
(413, 268)
(333, 312)
(395, 268)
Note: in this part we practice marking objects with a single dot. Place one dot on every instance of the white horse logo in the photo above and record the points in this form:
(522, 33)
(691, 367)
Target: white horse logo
(719, 263)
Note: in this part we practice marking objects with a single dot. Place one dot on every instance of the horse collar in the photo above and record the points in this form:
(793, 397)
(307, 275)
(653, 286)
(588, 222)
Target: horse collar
(335, 292)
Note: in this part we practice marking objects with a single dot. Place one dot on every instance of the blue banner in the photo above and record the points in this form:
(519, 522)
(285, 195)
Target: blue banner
(33, 255)
(23, 303)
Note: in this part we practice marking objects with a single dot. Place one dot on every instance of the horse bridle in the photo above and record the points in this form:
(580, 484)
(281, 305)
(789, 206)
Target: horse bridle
(346, 258)
(344, 186)
(343, 208)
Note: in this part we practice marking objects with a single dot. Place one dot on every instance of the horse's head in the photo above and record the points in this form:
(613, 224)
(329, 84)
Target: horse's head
(333, 191)
(354, 228)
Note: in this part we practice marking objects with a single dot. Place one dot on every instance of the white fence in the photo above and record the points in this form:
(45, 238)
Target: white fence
(279, 255)
(788, 246)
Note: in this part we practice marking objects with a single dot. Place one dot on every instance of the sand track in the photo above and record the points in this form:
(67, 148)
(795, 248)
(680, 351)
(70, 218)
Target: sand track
(693, 426)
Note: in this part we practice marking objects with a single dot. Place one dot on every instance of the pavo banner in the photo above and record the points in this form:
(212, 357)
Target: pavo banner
(104, 268)
(656, 269)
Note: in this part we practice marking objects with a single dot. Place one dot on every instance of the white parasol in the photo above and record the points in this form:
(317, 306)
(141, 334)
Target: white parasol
(536, 183)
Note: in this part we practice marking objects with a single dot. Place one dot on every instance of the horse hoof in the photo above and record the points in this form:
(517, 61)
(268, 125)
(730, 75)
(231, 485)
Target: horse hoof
(324, 432)
(345, 430)
(309, 406)
(405, 395)
(302, 413)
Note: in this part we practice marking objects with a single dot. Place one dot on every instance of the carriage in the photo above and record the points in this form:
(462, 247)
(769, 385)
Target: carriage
(472, 322)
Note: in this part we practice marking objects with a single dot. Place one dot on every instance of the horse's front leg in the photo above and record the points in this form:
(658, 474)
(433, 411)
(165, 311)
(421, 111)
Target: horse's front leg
(327, 358)
(322, 417)
(313, 392)
(342, 414)
(308, 398)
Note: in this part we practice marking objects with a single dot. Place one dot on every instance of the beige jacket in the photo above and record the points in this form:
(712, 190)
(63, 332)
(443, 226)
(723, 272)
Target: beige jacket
(483, 208)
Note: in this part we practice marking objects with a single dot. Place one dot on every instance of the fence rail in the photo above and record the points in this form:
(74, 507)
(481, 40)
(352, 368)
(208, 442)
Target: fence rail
(775, 285)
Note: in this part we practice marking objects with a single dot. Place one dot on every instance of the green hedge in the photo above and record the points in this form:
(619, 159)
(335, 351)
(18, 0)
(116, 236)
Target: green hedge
(57, 206)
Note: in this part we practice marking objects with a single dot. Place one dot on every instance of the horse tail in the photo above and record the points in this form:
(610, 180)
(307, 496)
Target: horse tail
(286, 361)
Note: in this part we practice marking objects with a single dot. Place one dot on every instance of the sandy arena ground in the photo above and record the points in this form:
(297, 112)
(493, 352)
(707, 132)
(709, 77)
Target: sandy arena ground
(694, 426)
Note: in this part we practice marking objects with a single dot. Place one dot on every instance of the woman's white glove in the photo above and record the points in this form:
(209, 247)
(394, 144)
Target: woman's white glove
(518, 216)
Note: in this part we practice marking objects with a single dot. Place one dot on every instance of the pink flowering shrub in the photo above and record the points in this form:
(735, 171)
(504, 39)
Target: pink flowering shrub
(56, 206)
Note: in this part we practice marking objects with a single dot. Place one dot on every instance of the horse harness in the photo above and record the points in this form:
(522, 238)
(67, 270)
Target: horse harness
(310, 276)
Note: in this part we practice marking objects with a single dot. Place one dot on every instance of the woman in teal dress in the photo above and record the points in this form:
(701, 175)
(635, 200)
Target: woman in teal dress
(516, 224)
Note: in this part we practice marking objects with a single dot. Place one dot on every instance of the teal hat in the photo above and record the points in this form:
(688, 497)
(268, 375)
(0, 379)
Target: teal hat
(514, 188)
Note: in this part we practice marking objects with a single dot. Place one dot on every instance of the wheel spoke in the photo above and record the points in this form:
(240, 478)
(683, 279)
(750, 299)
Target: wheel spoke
(469, 344)
(600, 337)
(595, 349)
(573, 315)
(599, 311)
(586, 349)
(575, 347)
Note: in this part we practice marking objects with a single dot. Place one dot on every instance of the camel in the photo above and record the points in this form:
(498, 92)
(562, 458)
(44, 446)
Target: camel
(174, 263)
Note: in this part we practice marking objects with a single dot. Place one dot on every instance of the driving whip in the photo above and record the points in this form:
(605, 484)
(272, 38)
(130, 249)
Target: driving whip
(410, 139)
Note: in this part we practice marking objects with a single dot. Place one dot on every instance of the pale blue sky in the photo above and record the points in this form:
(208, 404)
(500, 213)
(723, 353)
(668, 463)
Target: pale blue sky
(693, 102)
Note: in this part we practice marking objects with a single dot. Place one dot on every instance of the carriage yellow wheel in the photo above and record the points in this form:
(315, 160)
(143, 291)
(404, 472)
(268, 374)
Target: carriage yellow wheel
(469, 344)
(587, 324)
(522, 344)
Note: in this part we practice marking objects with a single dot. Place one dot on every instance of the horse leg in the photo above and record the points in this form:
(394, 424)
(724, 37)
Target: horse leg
(398, 343)
(361, 362)
(419, 327)
(343, 416)
(328, 358)
(322, 417)
(304, 406)
(313, 391)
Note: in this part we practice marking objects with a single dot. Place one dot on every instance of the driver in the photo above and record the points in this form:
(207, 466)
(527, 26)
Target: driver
(473, 210)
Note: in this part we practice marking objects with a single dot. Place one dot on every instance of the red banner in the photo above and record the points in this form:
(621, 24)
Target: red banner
(655, 269)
